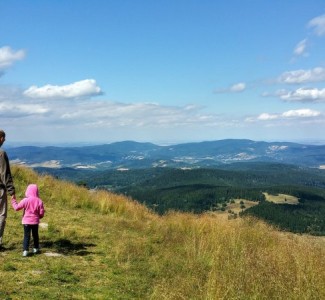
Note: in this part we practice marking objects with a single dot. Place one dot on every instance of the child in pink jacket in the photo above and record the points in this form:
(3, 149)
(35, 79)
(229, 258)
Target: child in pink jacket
(33, 212)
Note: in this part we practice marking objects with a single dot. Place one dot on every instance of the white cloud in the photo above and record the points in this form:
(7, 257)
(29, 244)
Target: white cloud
(112, 114)
(9, 56)
(303, 76)
(101, 114)
(266, 117)
(10, 110)
(28, 118)
(300, 48)
(318, 25)
(235, 88)
(79, 89)
(290, 114)
(303, 95)
(301, 113)
(238, 87)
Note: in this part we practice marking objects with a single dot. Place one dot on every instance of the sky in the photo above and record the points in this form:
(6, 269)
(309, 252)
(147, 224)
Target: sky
(162, 71)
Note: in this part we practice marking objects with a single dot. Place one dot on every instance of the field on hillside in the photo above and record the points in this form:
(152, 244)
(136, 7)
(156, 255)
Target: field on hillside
(107, 246)
(281, 198)
(239, 205)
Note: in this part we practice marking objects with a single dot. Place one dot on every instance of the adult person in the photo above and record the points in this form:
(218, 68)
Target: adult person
(6, 186)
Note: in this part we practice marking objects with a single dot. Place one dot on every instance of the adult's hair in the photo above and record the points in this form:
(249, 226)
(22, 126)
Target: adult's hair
(2, 133)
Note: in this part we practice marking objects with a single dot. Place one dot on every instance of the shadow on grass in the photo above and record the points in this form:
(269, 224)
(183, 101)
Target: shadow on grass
(66, 247)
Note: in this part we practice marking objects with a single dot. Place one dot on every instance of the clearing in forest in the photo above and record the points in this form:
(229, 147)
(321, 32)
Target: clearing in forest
(281, 198)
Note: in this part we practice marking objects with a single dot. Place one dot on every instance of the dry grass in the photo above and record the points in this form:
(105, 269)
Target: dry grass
(238, 259)
(281, 198)
(114, 248)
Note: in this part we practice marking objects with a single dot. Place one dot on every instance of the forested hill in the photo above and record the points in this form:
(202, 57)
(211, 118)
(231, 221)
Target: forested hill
(212, 189)
(129, 154)
(197, 177)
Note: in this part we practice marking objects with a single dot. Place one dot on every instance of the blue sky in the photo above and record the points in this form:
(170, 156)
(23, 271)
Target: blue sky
(162, 71)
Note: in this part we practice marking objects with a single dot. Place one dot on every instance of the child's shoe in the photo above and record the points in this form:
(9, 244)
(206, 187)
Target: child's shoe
(36, 251)
(25, 253)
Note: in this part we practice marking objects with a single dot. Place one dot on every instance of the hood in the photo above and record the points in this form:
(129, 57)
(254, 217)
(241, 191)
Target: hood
(32, 191)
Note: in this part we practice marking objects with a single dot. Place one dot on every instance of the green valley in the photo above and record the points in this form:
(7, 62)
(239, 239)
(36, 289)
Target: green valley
(210, 189)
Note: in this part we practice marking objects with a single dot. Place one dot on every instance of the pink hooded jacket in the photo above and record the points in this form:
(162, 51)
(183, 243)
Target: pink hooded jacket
(32, 205)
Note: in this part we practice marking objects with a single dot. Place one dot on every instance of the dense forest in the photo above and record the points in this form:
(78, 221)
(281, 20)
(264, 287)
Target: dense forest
(211, 189)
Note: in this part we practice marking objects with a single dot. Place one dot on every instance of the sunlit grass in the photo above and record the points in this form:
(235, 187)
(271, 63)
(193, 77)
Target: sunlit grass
(281, 198)
(114, 248)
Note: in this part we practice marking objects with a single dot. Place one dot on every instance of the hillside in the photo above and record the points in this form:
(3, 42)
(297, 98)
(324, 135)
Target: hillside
(99, 245)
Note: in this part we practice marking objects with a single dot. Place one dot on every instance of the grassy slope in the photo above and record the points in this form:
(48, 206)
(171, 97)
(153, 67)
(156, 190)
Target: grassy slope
(114, 248)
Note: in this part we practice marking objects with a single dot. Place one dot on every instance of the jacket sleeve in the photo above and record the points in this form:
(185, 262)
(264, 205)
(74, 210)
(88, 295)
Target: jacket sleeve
(5, 174)
(41, 210)
(17, 206)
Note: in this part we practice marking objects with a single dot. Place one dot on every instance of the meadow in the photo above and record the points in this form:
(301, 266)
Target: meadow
(99, 245)
(281, 199)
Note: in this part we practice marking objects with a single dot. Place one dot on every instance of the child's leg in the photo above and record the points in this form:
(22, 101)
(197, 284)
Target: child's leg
(35, 236)
(27, 230)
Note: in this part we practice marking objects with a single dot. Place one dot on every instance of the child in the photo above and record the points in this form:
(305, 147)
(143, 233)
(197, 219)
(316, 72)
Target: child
(33, 212)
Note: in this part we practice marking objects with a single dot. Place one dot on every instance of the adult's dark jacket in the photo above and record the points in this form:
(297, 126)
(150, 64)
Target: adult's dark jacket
(6, 182)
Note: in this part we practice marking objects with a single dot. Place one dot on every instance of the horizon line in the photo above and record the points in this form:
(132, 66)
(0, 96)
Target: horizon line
(13, 144)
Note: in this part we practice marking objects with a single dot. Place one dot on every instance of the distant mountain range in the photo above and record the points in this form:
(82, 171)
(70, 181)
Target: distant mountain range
(131, 155)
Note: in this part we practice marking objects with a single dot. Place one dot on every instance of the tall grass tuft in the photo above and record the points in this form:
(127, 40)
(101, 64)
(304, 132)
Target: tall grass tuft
(215, 258)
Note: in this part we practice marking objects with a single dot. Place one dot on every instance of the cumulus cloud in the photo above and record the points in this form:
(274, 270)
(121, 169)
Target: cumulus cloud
(303, 76)
(101, 114)
(303, 95)
(290, 114)
(267, 116)
(8, 56)
(301, 113)
(235, 88)
(318, 25)
(300, 48)
(79, 89)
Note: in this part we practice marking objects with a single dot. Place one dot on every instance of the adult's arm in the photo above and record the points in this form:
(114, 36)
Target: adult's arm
(6, 180)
